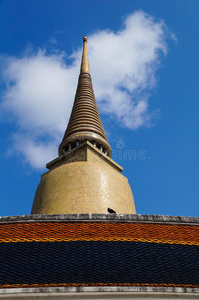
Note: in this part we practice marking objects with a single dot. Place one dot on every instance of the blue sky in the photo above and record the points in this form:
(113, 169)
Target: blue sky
(144, 63)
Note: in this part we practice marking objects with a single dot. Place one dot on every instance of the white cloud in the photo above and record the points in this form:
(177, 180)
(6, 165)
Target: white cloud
(41, 87)
(36, 153)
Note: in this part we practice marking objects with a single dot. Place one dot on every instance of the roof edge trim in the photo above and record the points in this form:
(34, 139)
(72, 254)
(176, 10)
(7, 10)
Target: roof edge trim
(107, 291)
(102, 217)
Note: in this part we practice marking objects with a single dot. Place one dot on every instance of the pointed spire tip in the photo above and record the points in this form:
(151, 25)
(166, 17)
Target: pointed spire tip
(85, 64)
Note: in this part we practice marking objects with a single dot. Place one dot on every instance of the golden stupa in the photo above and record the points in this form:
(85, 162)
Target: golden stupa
(84, 178)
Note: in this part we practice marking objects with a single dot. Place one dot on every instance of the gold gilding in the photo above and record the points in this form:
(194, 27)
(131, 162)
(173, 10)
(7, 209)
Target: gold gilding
(88, 184)
(84, 179)
(85, 119)
(85, 63)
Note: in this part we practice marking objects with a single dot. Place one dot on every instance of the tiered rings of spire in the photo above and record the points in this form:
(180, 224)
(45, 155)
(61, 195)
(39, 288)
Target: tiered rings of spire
(84, 123)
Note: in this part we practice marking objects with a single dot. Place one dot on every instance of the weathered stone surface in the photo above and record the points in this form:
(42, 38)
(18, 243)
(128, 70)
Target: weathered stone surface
(102, 217)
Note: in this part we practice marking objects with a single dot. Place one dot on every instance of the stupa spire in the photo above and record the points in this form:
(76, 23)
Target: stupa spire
(83, 179)
(84, 123)
(85, 63)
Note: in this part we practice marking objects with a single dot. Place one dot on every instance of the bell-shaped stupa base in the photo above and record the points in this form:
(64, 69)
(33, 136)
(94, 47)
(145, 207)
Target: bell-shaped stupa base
(83, 181)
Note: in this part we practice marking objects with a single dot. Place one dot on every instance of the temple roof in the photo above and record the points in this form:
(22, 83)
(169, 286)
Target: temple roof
(99, 251)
